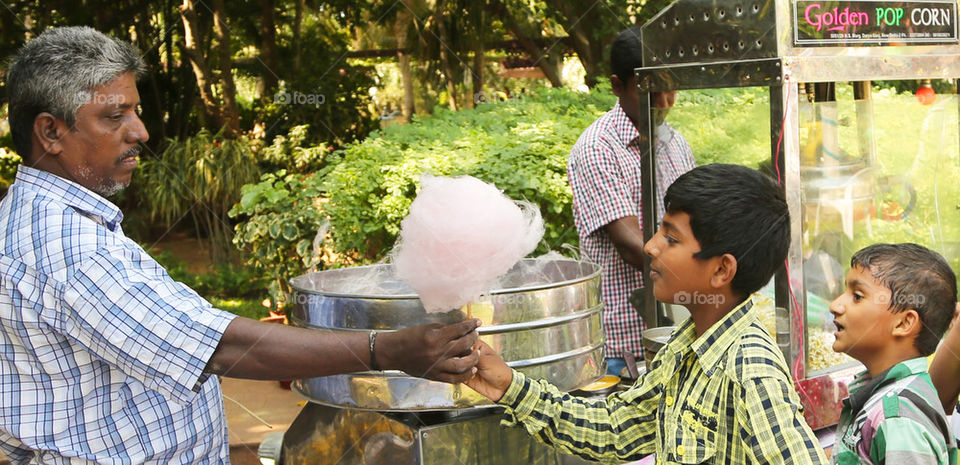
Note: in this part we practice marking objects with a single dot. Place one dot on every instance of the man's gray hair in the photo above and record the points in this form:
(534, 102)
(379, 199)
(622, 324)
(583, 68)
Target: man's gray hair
(58, 72)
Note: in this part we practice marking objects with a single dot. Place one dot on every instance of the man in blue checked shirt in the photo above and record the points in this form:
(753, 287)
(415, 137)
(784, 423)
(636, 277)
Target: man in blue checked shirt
(103, 357)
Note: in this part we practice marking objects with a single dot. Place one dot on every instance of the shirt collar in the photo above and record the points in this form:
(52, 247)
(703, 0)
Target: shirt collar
(711, 346)
(863, 386)
(87, 202)
(626, 132)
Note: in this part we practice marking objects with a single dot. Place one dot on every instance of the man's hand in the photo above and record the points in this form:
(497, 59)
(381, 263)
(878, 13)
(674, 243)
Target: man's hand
(493, 375)
(438, 352)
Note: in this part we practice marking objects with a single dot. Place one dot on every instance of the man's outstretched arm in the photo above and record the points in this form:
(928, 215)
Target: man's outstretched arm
(256, 350)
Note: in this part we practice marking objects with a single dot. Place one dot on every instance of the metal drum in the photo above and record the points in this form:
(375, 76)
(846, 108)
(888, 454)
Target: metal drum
(544, 319)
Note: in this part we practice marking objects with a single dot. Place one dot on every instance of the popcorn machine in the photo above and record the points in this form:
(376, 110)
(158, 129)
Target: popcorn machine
(820, 94)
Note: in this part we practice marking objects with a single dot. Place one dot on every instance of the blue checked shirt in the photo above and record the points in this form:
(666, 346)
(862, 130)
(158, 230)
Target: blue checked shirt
(101, 352)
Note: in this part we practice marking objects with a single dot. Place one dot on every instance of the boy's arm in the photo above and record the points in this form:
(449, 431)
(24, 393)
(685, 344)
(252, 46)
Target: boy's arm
(776, 432)
(945, 369)
(621, 427)
(903, 440)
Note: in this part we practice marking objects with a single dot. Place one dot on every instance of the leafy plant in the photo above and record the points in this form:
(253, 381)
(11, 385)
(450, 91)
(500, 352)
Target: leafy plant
(520, 145)
(200, 176)
(291, 152)
(222, 281)
(283, 225)
(9, 162)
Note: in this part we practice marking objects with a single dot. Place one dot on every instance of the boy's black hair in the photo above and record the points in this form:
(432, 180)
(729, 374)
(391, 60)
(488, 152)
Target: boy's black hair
(736, 210)
(626, 53)
(918, 278)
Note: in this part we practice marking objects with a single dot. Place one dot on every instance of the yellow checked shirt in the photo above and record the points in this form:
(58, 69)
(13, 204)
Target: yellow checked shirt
(725, 397)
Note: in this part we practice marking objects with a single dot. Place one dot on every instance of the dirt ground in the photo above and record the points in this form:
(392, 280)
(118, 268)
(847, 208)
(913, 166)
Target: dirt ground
(191, 251)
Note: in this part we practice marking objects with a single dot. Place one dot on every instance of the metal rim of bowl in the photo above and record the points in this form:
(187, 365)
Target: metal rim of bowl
(596, 272)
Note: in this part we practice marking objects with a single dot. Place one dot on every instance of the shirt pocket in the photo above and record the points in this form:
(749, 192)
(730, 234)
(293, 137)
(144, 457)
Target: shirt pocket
(696, 438)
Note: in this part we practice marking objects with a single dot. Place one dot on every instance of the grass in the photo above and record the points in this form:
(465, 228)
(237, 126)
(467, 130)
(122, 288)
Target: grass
(249, 308)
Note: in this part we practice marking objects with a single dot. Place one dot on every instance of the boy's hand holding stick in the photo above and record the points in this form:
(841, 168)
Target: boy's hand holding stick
(493, 376)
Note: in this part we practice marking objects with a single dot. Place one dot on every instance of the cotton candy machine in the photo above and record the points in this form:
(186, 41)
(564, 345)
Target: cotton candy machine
(544, 319)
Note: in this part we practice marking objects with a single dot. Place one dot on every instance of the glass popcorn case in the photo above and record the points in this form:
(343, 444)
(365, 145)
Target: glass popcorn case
(852, 106)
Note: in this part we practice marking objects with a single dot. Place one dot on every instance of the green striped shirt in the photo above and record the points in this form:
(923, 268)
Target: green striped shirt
(894, 418)
(725, 397)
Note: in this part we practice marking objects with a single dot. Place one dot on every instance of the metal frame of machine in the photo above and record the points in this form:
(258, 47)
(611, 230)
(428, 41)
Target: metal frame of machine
(700, 44)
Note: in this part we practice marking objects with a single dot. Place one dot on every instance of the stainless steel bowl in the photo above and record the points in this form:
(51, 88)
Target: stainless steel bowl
(545, 320)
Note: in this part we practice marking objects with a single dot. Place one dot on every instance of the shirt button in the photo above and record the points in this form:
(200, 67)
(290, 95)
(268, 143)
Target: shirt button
(669, 402)
(680, 450)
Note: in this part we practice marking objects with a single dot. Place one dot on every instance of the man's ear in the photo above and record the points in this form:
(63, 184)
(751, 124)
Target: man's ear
(616, 84)
(908, 323)
(724, 271)
(47, 131)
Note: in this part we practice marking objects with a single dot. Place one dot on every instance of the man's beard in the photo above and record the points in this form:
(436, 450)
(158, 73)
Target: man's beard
(109, 187)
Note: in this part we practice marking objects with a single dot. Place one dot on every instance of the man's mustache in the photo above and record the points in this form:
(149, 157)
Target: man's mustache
(133, 152)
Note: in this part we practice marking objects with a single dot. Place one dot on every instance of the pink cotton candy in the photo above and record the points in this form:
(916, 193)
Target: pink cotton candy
(461, 234)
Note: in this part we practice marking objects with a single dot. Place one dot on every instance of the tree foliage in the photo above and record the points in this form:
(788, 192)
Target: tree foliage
(275, 75)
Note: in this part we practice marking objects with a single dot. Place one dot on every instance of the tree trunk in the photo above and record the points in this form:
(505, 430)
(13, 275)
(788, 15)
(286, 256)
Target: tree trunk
(543, 61)
(406, 76)
(268, 49)
(297, 26)
(445, 59)
(589, 49)
(153, 120)
(201, 70)
(231, 115)
(478, 61)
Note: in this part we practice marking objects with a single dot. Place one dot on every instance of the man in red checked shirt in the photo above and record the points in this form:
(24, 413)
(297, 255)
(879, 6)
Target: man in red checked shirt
(604, 172)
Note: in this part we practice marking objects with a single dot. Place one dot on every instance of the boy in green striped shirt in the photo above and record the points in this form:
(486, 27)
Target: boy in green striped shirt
(898, 301)
(719, 391)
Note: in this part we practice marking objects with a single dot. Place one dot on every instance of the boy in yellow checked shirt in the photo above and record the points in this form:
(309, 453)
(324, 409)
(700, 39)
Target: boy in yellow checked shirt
(719, 391)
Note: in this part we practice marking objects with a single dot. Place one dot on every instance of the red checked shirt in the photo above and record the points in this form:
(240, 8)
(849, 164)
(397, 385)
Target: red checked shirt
(604, 172)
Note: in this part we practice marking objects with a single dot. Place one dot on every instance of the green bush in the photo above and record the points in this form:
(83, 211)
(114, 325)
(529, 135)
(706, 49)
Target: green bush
(290, 152)
(283, 219)
(223, 281)
(202, 177)
(521, 145)
(9, 162)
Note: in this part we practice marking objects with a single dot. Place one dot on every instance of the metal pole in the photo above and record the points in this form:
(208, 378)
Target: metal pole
(648, 306)
(785, 159)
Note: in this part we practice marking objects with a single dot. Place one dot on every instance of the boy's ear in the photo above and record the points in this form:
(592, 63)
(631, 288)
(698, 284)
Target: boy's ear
(908, 324)
(724, 271)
